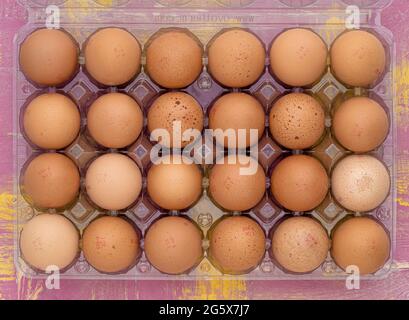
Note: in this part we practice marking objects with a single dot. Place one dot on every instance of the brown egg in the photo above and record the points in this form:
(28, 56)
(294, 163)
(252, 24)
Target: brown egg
(52, 121)
(111, 244)
(174, 184)
(360, 242)
(49, 57)
(173, 245)
(115, 120)
(49, 240)
(174, 58)
(360, 183)
(112, 56)
(169, 109)
(113, 181)
(236, 111)
(297, 121)
(360, 124)
(358, 58)
(237, 245)
(300, 244)
(237, 184)
(298, 57)
(303, 176)
(51, 180)
(236, 58)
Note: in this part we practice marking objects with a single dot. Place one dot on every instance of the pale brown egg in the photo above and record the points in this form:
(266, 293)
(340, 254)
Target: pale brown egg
(236, 58)
(51, 180)
(297, 121)
(111, 244)
(300, 244)
(237, 245)
(174, 58)
(237, 111)
(360, 124)
(360, 183)
(174, 184)
(360, 242)
(237, 184)
(175, 114)
(112, 56)
(299, 183)
(49, 57)
(173, 245)
(113, 181)
(115, 120)
(48, 241)
(298, 57)
(52, 121)
(358, 58)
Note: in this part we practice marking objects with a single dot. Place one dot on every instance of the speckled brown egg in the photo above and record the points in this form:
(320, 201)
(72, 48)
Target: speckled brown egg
(236, 112)
(236, 58)
(300, 244)
(303, 176)
(111, 244)
(173, 183)
(360, 183)
(361, 242)
(115, 120)
(174, 58)
(298, 57)
(49, 240)
(358, 58)
(173, 245)
(112, 56)
(237, 245)
(51, 180)
(113, 181)
(238, 183)
(52, 121)
(175, 114)
(360, 124)
(297, 121)
(49, 57)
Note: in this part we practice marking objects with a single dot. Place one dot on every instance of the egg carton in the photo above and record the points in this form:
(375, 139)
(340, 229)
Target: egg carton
(326, 18)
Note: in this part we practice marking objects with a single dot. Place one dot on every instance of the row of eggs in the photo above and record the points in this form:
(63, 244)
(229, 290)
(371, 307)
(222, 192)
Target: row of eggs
(174, 57)
(297, 121)
(174, 244)
(113, 181)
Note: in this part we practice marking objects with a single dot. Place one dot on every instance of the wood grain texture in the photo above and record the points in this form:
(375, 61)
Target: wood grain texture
(14, 286)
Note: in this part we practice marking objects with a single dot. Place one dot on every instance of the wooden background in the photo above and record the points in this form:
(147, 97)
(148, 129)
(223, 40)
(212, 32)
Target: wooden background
(14, 286)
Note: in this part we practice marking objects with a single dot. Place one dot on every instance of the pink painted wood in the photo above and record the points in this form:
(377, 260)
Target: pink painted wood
(13, 286)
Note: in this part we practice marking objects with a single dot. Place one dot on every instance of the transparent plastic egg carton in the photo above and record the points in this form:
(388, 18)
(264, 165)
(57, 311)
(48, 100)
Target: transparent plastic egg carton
(264, 18)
